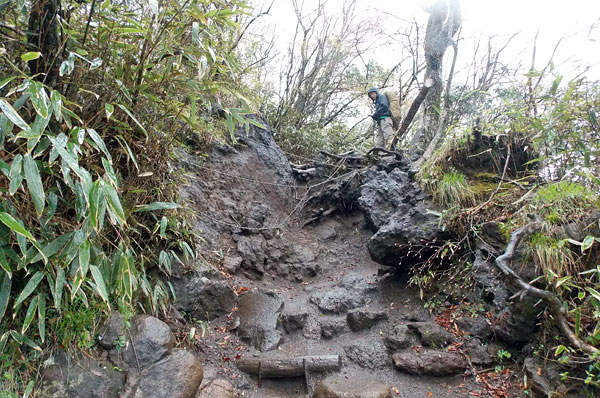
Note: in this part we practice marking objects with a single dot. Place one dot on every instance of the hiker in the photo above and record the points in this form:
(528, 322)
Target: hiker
(383, 118)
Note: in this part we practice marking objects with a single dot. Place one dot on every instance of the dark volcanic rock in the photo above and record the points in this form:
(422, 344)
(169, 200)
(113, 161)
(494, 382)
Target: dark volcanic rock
(432, 334)
(150, 340)
(252, 249)
(397, 211)
(203, 295)
(176, 376)
(258, 319)
(336, 386)
(429, 362)
(338, 300)
(293, 319)
(111, 331)
(478, 353)
(478, 327)
(217, 388)
(368, 354)
(332, 326)
(399, 337)
(364, 319)
(79, 378)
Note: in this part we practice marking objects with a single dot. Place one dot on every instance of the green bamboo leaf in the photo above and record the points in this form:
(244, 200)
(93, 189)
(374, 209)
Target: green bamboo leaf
(124, 89)
(84, 258)
(58, 288)
(12, 115)
(163, 227)
(112, 197)
(99, 141)
(110, 109)
(42, 316)
(588, 241)
(5, 285)
(11, 223)
(16, 174)
(157, 206)
(56, 100)
(29, 389)
(110, 173)
(594, 293)
(34, 281)
(34, 183)
(29, 315)
(30, 56)
(53, 247)
(4, 82)
(97, 275)
(134, 119)
(39, 99)
(4, 264)
(96, 195)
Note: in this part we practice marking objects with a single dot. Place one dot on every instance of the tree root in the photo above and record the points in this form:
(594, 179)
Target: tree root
(551, 300)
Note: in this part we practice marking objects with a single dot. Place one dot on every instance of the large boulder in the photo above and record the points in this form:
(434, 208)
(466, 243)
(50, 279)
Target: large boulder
(150, 339)
(176, 376)
(398, 212)
(203, 294)
(81, 377)
(259, 312)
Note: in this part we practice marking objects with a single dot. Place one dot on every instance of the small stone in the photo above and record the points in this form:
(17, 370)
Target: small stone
(331, 327)
(364, 319)
(217, 388)
(368, 354)
(232, 263)
(150, 340)
(432, 334)
(478, 327)
(112, 329)
(398, 338)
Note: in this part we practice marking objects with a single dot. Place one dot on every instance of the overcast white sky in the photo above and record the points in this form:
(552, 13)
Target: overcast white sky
(553, 18)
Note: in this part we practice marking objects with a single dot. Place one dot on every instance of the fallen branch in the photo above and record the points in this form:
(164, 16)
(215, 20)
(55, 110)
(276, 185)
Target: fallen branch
(553, 303)
(378, 149)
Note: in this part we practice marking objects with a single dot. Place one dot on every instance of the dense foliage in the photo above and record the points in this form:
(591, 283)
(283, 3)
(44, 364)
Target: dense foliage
(87, 213)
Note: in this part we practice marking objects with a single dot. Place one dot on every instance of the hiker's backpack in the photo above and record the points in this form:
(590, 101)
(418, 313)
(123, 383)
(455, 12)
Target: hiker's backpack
(395, 111)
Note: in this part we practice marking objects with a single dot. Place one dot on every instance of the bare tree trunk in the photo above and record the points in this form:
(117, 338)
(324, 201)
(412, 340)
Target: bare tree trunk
(43, 37)
(444, 22)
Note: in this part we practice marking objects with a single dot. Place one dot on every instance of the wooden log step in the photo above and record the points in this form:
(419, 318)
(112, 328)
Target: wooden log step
(288, 367)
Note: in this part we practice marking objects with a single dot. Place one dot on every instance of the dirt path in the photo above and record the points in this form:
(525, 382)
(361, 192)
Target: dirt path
(310, 290)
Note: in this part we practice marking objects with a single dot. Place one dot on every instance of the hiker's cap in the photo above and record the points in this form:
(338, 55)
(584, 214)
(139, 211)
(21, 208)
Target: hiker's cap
(373, 90)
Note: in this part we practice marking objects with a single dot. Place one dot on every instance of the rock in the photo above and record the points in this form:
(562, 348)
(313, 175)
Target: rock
(255, 217)
(338, 300)
(312, 328)
(232, 263)
(478, 353)
(203, 298)
(326, 233)
(150, 340)
(258, 313)
(398, 338)
(217, 388)
(417, 314)
(492, 235)
(403, 241)
(111, 331)
(252, 249)
(176, 376)
(382, 194)
(81, 377)
(331, 327)
(478, 327)
(293, 319)
(397, 210)
(535, 370)
(364, 319)
(432, 334)
(337, 386)
(368, 354)
(429, 362)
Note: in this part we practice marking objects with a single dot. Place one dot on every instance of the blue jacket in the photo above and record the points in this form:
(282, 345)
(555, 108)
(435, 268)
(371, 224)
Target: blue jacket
(382, 106)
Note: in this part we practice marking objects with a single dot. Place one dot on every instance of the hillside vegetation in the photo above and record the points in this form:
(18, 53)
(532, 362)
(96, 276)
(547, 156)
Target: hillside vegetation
(96, 98)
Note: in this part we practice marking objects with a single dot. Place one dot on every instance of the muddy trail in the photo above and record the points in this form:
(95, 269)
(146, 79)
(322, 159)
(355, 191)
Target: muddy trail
(288, 300)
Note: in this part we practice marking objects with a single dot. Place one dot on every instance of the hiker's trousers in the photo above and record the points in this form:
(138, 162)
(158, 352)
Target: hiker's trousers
(385, 132)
